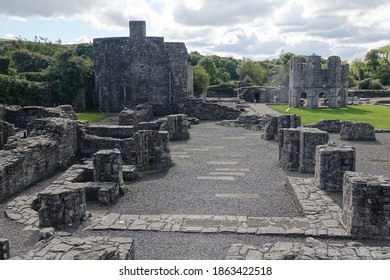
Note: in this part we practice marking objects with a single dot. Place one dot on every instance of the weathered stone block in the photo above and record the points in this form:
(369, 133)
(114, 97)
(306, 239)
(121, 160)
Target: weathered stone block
(310, 138)
(357, 131)
(108, 193)
(108, 166)
(366, 205)
(4, 249)
(331, 163)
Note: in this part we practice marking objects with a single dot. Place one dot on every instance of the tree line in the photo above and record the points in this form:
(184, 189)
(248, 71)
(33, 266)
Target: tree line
(44, 73)
(50, 73)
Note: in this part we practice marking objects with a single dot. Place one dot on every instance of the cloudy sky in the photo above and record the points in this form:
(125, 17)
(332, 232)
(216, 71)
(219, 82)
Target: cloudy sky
(257, 29)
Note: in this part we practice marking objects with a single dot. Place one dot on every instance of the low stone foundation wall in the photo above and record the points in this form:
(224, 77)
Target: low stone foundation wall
(198, 108)
(366, 205)
(330, 126)
(22, 116)
(90, 144)
(114, 131)
(310, 249)
(353, 131)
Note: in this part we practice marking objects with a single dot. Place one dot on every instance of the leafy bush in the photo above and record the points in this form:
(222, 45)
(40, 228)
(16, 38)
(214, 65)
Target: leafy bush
(26, 61)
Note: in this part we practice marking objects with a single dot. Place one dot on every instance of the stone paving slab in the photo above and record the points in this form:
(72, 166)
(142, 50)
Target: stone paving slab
(312, 249)
(91, 248)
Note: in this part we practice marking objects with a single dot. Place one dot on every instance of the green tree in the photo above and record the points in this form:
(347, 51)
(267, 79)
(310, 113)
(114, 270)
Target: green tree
(208, 64)
(26, 61)
(249, 70)
(201, 80)
(4, 64)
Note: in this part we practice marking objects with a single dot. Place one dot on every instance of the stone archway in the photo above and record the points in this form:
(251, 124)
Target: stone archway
(323, 99)
(125, 94)
(303, 99)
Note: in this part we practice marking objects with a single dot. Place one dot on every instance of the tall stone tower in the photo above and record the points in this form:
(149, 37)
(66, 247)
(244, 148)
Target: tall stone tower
(309, 81)
(138, 69)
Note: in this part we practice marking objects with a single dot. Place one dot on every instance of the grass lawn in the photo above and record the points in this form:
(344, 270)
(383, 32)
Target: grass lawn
(91, 117)
(377, 115)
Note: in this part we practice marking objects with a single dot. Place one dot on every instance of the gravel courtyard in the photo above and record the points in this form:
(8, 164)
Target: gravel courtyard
(219, 171)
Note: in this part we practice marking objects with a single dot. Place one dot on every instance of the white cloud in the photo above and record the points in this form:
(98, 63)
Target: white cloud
(251, 28)
(10, 36)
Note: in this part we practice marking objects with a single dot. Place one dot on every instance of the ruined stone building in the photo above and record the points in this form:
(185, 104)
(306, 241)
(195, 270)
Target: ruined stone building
(138, 69)
(309, 83)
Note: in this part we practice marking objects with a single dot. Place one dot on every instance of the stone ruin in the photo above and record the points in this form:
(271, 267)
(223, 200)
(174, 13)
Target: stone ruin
(63, 247)
(366, 205)
(365, 211)
(308, 81)
(138, 69)
(270, 125)
(297, 148)
(349, 131)
(332, 161)
(357, 131)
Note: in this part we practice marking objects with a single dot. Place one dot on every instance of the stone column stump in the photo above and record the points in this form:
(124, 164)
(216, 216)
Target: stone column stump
(331, 163)
(62, 206)
(289, 146)
(4, 249)
(310, 138)
(177, 126)
(108, 166)
(366, 205)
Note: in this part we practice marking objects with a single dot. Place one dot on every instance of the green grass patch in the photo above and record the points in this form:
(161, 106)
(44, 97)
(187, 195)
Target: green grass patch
(92, 117)
(377, 115)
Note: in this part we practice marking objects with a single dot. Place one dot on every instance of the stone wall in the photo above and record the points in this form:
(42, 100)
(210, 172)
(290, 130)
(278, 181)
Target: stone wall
(357, 131)
(64, 131)
(331, 163)
(138, 69)
(366, 205)
(26, 163)
(90, 144)
(62, 206)
(202, 110)
(114, 131)
(6, 130)
(22, 116)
